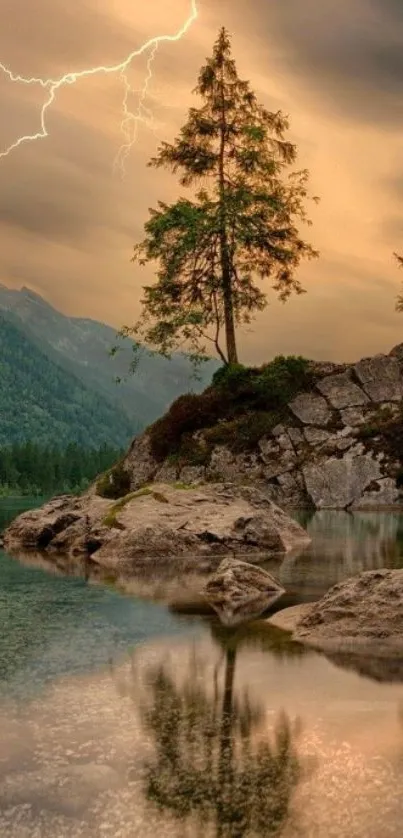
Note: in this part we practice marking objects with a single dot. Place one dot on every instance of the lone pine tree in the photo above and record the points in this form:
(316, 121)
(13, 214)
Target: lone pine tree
(240, 225)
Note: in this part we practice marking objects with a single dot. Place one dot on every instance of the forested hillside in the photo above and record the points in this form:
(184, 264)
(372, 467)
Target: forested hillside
(82, 347)
(30, 468)
(42, 402)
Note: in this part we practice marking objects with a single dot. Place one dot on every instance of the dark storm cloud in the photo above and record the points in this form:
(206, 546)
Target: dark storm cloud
(68, 224)
(58, 198)
(348, 51)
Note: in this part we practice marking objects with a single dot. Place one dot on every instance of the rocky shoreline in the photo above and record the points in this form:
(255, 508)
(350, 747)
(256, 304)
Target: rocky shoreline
(159, 523)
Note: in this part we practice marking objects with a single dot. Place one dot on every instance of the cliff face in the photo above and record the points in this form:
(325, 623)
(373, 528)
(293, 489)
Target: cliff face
(336, 443)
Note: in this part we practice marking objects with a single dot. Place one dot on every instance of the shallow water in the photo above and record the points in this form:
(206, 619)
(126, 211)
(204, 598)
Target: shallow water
(119, 718)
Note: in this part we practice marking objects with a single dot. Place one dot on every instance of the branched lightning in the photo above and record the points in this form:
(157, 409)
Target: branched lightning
(130, 120)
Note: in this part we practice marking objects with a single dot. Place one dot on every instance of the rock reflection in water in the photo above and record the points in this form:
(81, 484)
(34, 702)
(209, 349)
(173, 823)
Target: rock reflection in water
(343, 545)
(215, 766)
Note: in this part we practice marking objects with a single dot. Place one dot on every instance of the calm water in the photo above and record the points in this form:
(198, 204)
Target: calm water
(120, 718)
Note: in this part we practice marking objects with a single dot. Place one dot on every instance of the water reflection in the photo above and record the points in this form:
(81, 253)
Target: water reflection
(201, 738)
(214, 766)
(343, 545)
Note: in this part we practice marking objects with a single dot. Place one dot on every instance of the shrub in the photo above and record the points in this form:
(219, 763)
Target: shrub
(269, 387)
(243, 433)
(236, 392)
(115, 483)
(234, 376)
(188, 414)
(281, 380)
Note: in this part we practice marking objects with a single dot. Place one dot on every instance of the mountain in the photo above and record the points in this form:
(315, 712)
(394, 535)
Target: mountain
(42, 402)
(58, 380)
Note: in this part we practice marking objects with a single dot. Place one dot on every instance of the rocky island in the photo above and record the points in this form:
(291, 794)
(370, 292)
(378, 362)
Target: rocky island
(206, 482)
(306, 433)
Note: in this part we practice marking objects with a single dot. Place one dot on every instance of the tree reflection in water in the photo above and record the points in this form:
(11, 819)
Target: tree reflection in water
(214, 765)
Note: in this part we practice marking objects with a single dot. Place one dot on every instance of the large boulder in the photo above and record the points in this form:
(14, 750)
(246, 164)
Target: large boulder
(341, 391)
(65, 518)
(381, 378)
(311, 409)
(340, 482)
(160, 523)
(239, 592)
(361, 613)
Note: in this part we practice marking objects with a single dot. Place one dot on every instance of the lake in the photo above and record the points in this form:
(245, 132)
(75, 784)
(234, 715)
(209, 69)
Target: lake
(119, 717)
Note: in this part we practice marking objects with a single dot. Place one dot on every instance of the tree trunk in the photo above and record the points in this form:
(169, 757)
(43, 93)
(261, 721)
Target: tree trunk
(226, 747)
(226, 278)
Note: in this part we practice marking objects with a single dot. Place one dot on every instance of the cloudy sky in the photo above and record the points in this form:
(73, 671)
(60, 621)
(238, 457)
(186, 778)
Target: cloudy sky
(68, 221)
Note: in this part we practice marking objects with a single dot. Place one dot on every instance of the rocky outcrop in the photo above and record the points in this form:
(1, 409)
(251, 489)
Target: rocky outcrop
(339, 444)
(362, 614)
(159, 523)
(239, 592)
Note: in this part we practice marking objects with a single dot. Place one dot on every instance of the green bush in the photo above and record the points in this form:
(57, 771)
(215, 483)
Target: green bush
(234, 376)
(115, 483)
(281, 380)
(269, 387)
(228, 407)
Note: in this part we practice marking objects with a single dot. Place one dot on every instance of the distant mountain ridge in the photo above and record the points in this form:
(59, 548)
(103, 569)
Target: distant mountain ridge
(79, 348)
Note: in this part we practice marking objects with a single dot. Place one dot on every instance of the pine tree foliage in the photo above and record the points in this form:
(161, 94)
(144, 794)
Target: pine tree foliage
(240, 225)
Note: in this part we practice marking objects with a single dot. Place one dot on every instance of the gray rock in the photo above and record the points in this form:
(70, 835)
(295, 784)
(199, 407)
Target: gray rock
(316, 436)
(192, 474)
(341, 391)
(279, 430)
(269, 450)
(341, 441)
(168, 473)
(296, 436)
(381, 378)
(239, 592)
(276, 460)
(353, 416)
(39, 528)
(290, 490)
(226, 466)
(363, 611)
(384, 494)
(140, 462)
(321, 369)
(311, 409)
(285, 443)
(397, 352)
(336, 483)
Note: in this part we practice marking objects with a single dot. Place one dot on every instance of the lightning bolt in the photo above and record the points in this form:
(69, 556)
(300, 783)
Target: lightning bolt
(130, 120)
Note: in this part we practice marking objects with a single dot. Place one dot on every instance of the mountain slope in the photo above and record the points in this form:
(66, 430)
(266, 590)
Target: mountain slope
(81, 347)
(42, 402)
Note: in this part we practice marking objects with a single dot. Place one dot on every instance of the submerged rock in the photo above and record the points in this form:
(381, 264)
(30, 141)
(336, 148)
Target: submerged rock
(239, 592)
